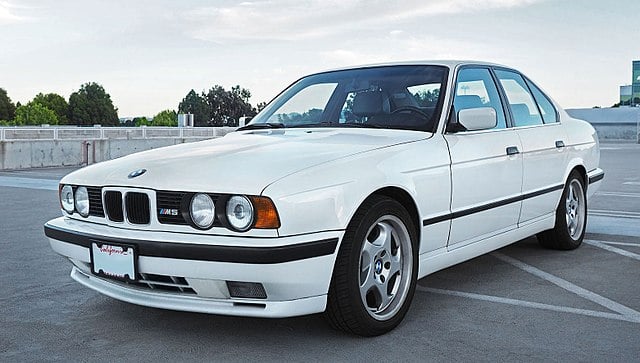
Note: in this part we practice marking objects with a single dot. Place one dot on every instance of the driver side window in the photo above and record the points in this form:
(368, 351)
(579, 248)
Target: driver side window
(475, 88)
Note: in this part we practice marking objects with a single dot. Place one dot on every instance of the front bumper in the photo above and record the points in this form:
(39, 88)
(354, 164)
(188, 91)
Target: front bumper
(295, 271)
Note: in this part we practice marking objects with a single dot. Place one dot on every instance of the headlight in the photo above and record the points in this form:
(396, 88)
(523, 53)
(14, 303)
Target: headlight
(82, 201)
(240, 213)
(66, 199)
(202, 210)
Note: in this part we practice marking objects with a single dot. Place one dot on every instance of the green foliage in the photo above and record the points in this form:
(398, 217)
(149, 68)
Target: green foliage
(92, 105)
(218, 107)
(141, 121)
(34, 113)
(7, 108)
(55, 103)
(166, 118)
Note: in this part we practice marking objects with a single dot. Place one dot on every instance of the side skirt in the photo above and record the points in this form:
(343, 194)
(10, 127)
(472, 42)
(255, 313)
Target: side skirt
(440, 259)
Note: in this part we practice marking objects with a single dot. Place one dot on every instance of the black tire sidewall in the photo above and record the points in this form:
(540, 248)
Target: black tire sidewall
(561, 224)
(357, 232)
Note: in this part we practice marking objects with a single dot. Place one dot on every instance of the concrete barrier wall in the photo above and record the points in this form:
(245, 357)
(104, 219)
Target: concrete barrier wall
(611, 123)
(24, 154)
(33, 147)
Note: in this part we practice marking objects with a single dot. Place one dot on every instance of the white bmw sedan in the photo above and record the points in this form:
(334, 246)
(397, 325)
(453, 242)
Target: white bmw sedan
(347, 188)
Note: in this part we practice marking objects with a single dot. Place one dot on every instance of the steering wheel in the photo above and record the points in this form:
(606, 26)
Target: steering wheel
(411, 109)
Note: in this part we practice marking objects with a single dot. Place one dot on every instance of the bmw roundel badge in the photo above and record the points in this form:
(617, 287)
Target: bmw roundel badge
(136, 173)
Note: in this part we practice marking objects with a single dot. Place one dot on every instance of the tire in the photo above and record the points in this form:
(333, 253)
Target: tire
(374, 277)
(571, 217)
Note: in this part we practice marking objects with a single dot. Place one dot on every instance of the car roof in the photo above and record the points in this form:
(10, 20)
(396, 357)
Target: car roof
(447, 63)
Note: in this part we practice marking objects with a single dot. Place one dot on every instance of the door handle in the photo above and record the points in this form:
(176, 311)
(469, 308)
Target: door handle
(559, 144)
(512, 150)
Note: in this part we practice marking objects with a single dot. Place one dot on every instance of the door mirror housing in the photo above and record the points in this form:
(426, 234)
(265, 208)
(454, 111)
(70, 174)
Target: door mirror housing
(475, 119)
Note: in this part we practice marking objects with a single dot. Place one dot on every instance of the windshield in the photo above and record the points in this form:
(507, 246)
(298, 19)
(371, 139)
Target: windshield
(402, 97)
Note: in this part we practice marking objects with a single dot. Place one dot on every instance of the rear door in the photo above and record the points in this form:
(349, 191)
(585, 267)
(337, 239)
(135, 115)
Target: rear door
(486, 167)
(543, 151)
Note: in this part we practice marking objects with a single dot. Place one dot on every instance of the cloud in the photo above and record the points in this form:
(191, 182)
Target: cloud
(308, 19)
(6, 14)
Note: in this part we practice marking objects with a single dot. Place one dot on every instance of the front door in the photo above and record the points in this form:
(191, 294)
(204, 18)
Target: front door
(486, 166)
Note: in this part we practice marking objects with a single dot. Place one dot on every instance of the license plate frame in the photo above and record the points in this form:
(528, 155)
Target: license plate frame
(114, 261)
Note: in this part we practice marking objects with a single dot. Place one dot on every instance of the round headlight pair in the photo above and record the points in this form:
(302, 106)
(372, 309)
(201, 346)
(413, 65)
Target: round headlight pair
(79, 202)
(239, 212)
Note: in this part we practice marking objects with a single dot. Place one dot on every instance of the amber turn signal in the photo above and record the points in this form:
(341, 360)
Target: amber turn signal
(265, 212)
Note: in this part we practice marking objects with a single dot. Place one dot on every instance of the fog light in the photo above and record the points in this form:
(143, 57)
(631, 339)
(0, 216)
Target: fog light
(247, 290)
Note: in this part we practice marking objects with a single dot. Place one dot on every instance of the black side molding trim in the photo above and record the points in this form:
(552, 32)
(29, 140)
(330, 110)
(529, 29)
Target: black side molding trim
(190, 251)
(491, 205)
(595, 178)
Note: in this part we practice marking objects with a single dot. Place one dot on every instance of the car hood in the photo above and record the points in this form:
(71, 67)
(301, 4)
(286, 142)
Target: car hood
(241, 162)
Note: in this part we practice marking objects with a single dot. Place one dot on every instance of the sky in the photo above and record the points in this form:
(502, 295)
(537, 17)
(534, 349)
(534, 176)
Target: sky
(148, 54)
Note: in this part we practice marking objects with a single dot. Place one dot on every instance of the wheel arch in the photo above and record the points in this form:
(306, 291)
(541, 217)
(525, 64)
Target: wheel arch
(407, 201)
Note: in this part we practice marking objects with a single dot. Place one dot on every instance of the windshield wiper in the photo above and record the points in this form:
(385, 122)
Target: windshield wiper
(260, 126)
(366, 126)
(314, 124)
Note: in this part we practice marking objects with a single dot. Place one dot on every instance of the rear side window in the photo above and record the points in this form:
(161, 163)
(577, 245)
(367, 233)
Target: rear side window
(549, 114)
(523, 107)
(475, 88)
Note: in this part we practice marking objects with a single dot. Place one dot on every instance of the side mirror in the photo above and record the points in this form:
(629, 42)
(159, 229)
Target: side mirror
(474, 119)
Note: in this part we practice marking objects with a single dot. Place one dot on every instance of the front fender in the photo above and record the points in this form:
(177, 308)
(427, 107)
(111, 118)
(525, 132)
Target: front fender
(327, 196)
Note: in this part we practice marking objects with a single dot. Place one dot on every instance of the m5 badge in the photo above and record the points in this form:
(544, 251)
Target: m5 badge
(168, 212)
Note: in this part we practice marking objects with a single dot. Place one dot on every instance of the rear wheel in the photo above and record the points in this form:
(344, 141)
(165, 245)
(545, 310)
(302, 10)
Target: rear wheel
(376, 270)
(571, 217)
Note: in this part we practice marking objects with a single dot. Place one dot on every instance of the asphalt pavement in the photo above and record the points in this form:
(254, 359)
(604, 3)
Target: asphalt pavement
(521, 303)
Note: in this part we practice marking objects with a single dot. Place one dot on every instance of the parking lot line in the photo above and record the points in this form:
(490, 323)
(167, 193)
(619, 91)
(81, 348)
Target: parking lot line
(616, 214)
(584, 293)
(616, 194)
(628, 244)
(620, 251)
(530, 304)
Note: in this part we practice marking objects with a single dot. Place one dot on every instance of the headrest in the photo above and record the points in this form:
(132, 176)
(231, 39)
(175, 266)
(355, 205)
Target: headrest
(463, 102)
(520, 111)
(367, 103)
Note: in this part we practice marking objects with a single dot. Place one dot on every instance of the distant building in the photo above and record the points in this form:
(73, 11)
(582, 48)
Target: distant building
(625, 95)
(630, 94)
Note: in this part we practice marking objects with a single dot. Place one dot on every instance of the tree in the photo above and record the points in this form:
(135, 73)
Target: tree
(34, 113)
(260, 106)
(55, 103)
(7, 108)
(166, 118)
(92, 105)
(141, 121)
(226, 107)
(218, 107)
(195, 104)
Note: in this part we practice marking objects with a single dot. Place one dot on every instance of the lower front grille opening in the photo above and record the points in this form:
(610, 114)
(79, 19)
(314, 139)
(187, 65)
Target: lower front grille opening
(246, 290)
(163, 283)
(250, 305)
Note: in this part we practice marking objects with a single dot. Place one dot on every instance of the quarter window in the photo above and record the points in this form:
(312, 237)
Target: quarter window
(549, 114)
(523, 108)
(475, 88)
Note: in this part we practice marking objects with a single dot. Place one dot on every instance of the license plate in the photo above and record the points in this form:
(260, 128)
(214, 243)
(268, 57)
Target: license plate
(113, 261)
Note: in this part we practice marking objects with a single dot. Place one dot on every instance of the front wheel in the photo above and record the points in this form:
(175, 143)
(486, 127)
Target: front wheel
(376, 270)
(571, 217)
